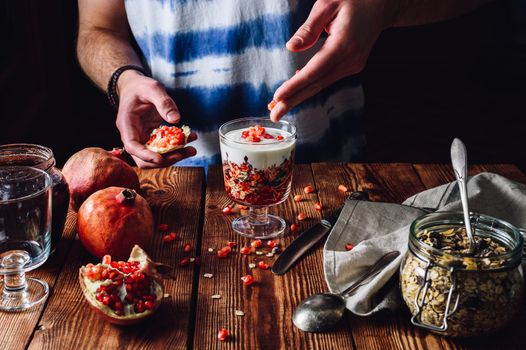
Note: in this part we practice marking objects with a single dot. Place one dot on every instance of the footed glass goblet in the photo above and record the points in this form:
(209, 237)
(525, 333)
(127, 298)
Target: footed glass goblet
(258, 158)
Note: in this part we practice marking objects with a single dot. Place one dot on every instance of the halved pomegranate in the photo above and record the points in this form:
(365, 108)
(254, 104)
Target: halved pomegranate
(166, 138)
(123, 293)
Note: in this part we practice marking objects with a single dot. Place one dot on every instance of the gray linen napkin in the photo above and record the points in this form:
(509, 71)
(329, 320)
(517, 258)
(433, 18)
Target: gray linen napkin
(376, 228)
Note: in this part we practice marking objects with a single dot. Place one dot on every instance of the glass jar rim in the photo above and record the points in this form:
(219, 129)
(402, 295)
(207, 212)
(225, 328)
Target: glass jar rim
(45, 153)
(291, 137)
(513, 256)
(41, 172)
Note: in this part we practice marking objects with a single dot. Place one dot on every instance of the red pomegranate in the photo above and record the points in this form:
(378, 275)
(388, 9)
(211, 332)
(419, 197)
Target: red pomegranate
(122, 293)
(93, 169)
(113, 220)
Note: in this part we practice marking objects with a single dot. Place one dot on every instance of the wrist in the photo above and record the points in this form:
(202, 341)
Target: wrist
(125, 78)
(112, 90)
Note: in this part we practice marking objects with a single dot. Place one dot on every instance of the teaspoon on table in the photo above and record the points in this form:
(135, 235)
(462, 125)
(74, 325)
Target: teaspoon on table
(459, 160)
(320, 312)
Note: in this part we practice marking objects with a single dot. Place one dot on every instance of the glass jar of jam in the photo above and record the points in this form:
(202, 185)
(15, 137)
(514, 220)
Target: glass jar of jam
(42, 158)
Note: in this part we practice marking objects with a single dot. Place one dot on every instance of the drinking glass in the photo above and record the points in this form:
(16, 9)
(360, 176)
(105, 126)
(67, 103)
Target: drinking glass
(258, 174)
(25, 235)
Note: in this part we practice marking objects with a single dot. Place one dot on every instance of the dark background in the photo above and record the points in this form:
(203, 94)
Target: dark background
(423, 86)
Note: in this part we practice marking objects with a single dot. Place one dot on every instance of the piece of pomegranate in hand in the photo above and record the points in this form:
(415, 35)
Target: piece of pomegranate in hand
(166, 138)
(93, 169)
(123, 293)
(113, 220)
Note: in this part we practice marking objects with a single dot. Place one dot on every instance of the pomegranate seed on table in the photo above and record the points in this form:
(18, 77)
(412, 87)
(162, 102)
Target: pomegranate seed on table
(343, 188)
(232, 244)
(256, 244)
(294, 228)
(247, 280)
(226, 249)
(222, 254)
(349, 246)
(184, 262)
(263, 265)
(271, 244)
(245, 251)
(222, 335)
(298, 198)
(302, 216)
(227, 210)
(197, 260)
(163, 227)
(170, 237)
(318, 206)
(187, 248)
(308, 189)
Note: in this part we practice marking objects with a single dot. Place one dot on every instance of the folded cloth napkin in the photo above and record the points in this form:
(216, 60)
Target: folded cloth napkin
(376, 228)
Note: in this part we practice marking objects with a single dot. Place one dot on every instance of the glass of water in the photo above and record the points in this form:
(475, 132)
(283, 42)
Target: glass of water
(25, 235)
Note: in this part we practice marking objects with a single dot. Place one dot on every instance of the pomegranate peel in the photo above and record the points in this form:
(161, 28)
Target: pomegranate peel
(165, 139)
(123, 293)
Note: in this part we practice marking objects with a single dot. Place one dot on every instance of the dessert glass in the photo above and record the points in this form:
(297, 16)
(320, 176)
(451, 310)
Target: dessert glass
(258, 174)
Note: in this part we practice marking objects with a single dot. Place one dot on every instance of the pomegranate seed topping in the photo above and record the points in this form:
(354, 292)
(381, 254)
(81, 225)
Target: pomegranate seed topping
(298, 198)
(342, 188)
(222, 335)
(294, 228)
(163, 227)
(187, 248)
(318, 206)
(308, 189)
(279, 137)
(268, 136)
(302, 216)
(263, 265)
(227, 210)
(245, 250)
(232, 244)
(272, 243)
(106, 259)
(349, 246)
(247, 280)
(256, 244)
(184, 262)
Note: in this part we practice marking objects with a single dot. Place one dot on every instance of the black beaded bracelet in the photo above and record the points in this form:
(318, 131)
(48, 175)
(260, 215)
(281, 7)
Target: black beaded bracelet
(112, 83)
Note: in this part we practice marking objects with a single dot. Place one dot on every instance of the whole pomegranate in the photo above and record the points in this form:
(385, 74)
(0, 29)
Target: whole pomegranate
(123, 292)
(93, 169)
(113, 220)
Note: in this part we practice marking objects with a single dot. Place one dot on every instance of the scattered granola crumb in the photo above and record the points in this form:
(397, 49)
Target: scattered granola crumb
(208, 275)
(216, 296)
(239, 313)
(251, 266)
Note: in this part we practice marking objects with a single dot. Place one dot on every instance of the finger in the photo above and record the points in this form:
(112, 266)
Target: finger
(140, 151)
(178, 155)
(284, 106)
(321, 14)
(145, 165)
(192, 137)
(319, 64)
(165, 105)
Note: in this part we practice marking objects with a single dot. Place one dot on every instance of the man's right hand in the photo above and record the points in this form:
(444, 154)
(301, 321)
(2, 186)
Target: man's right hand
(143, 105)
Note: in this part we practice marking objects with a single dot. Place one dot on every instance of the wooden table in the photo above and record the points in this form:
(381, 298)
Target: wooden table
(190, 318)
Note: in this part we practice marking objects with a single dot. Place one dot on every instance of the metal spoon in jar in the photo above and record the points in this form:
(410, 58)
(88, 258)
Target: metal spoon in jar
(320, 312)
(459, 160)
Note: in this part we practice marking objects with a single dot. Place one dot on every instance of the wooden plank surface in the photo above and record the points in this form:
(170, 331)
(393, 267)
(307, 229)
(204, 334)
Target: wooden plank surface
(68, 323)
(268, 304)
(26, 322)
(191, 319)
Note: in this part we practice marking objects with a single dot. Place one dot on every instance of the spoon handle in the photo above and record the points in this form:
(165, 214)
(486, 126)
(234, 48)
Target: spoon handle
(459, 160)
(372, 271)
